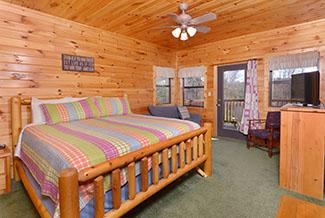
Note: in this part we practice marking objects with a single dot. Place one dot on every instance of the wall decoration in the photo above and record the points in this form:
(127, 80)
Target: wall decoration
(77, 63)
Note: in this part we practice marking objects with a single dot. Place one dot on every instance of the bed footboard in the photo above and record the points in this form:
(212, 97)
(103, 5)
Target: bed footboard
(188, 151)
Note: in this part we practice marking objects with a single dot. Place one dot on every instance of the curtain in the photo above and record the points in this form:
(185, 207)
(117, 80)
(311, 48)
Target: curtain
(192, 72)
(251, 97)
(301, 60)
(164, 72)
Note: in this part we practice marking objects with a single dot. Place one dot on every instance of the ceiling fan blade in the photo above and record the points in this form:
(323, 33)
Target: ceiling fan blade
(204, 18)
(165, 27)
(174, 17)
(203, 29)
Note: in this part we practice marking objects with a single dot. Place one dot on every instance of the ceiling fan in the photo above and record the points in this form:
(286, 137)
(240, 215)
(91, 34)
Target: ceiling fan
(188, 26)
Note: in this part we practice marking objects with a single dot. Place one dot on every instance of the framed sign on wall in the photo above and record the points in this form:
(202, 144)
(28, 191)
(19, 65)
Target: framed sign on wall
(78, 63)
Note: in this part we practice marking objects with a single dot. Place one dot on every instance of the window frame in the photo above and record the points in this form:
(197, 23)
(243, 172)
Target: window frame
(192, 87)
(169, 91)
(271, 89)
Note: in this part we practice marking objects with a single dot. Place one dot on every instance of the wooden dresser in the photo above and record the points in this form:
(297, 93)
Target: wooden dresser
(302, 150)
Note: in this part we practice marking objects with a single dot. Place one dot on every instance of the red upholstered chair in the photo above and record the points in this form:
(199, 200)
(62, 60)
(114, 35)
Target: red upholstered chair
(269, 136)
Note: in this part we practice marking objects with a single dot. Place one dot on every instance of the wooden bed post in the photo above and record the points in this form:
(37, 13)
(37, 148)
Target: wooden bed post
(15, 127)
(69, 193)
(207, 167)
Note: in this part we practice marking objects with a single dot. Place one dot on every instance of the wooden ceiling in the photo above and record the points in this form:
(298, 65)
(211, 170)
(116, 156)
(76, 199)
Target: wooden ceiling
(140, 18)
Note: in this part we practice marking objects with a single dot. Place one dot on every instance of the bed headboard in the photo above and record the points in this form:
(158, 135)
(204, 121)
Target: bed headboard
(17, 103)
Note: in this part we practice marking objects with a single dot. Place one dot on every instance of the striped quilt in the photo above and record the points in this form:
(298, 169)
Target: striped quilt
(48, 149)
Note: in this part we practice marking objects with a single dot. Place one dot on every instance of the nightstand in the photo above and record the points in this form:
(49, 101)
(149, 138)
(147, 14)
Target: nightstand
(5, 178)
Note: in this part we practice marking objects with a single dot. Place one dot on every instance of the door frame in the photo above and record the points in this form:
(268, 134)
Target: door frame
(219, 131)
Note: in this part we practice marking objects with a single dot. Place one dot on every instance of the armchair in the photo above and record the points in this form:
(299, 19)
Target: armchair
(269, 136)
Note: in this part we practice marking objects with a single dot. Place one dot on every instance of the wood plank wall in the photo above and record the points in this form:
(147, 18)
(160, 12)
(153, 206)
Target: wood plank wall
(292, 39)
(31, 44)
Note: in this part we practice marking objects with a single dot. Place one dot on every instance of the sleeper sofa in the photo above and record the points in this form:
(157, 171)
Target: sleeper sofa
(172, 112)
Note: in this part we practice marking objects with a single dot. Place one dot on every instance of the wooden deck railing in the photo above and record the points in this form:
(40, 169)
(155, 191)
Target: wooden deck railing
(232, 110)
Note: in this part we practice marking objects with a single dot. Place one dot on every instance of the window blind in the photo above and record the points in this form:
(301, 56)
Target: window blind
(301, 60)
(187, 72)
(164, 72)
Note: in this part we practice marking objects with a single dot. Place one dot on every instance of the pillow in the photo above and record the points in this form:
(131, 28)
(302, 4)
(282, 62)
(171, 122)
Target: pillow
(65, 112)
(73, 99)
(183, 112)
(113, 105)
(37, 114)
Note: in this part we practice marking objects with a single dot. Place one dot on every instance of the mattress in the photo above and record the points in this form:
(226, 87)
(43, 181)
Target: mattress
(48, 149)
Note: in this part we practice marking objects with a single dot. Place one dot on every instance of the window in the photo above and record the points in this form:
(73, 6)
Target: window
(193, 91)
(280, 84)
(163, 90)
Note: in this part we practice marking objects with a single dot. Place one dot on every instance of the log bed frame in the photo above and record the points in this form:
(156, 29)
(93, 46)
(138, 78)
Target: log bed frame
(194, 150)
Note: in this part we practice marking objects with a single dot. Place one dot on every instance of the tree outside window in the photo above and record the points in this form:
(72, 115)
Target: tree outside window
(163, 90)
(193, 91)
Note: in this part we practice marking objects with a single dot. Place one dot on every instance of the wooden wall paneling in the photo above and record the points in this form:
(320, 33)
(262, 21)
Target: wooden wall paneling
(293, 39)
(31, 44)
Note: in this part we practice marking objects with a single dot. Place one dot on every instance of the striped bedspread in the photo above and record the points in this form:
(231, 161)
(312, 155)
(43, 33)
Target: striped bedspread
(47, 149)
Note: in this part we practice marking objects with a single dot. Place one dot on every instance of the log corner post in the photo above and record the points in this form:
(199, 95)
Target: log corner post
(207, 167)
(16, 126)
(69, 193)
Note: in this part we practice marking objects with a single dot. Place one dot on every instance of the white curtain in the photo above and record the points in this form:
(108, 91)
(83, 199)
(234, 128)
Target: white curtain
(301, 60)
(164, 72)
(187, 72)
(251, 110)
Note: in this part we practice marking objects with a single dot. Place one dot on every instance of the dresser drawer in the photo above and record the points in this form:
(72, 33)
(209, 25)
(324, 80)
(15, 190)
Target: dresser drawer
(2, 166)
(2, 182)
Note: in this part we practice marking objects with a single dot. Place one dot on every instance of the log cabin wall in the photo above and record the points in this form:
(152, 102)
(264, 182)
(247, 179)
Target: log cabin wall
(31, 44)
(292, 39)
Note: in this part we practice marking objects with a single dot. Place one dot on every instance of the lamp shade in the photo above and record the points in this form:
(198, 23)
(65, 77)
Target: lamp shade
(177, 32)
(184, 36)
(191, 31)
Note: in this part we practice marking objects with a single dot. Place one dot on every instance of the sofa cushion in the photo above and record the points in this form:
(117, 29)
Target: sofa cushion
(196, 118)
(183, 112)
(164, 111)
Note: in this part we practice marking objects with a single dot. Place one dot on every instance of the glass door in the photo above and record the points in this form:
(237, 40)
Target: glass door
(230, 101)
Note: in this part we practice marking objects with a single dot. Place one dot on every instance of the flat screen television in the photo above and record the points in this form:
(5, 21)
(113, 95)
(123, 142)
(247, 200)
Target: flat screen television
(305, 88)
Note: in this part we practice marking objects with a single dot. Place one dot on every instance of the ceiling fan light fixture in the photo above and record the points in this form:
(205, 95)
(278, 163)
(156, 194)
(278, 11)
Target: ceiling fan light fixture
(191, 31)
(177, 32)
(184, 36)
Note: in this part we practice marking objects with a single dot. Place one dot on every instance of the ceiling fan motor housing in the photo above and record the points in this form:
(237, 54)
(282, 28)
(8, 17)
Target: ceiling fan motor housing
(184, 19)
(183, 6)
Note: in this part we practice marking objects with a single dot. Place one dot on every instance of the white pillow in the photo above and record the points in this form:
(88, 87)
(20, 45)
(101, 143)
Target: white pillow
(37, 114)
(73, 99)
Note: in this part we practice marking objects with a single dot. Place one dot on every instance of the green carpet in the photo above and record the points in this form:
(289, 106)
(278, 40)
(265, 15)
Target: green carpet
(244, 184)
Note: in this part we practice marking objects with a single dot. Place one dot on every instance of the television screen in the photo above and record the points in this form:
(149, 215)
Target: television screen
(305, 88)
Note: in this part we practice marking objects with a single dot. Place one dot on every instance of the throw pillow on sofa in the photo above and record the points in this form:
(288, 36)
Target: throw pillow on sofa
(183, 112)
